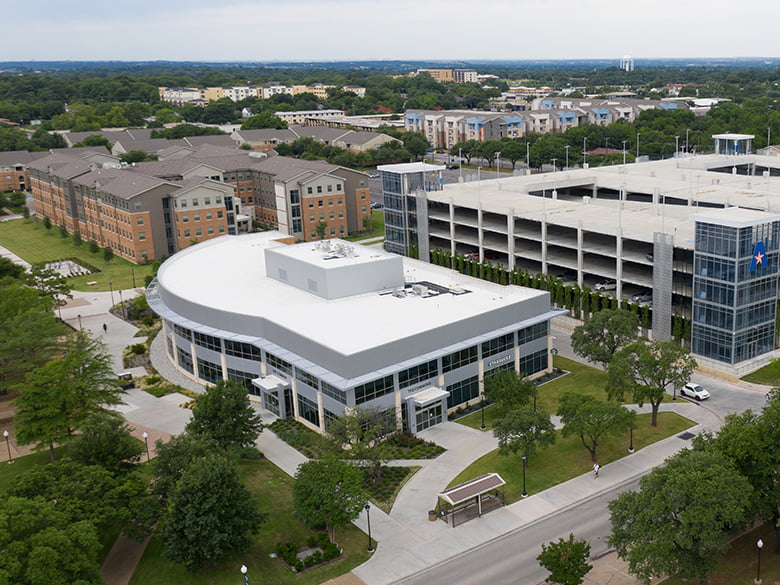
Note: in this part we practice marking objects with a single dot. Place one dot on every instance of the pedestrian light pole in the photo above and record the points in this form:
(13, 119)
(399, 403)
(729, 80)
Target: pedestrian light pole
(498, 164)
(567, 147)
(146, 442)
(243, 572)
(111, 288)
(525, 464)
(631, 439)
(759, 546)
(483, 411)
(8, 446)
(368, 521)
(624, 152)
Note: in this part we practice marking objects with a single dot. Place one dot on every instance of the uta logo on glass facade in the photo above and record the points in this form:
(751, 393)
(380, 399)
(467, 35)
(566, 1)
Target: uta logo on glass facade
(759, 256)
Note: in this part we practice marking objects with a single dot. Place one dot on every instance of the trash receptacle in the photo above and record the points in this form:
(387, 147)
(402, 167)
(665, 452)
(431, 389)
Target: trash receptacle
(432, 515)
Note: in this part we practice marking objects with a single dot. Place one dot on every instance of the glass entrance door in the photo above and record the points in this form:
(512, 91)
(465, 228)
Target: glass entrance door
(428, 416)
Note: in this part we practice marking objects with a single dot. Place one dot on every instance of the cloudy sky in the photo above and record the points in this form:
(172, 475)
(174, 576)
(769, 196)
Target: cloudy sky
(308, 30)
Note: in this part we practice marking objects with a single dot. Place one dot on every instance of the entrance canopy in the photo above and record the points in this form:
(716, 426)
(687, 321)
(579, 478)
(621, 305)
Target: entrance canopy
(471, 489)
(269, 383)
(428, 396)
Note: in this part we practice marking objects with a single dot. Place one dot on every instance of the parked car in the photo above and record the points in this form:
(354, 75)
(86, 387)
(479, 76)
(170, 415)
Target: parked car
(643, 297)
(373, 175)
(694, 391)
(453, 167)
(376, 205)
(567, 276)
(606, 285)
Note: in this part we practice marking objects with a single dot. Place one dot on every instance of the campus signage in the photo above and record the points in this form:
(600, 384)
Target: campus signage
(759, 256)
(501, 360)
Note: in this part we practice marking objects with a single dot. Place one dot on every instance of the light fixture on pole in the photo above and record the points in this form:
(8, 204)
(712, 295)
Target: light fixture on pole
(584, 151)
(121, 303)
(676, 146)
(624, 152)
(80, 327)
(243, 572)
(567, 147)
(768, 137)
(553, 162)
(482, 394)
(8, 446)
(631, 439)
(498, 164)
(759, 546)
(111, 288)
(525, 464)
(687, 130)
(460, 163)
(368, 521)
(132, 271)
(528, 154)
(145, 435)
(637, 144)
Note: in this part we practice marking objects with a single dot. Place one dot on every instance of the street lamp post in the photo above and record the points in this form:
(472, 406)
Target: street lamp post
(80, 327)
(525, 464)
(368, 521)
(637, 144)
(676, 146)
(121, 304)
(8, 446)
(145, 435)
(498, 164)
(555, 168)
(528, 154)
(460, 163)
(687, 130)
(567, 156)
(759, 546)
(584, 151)
(624, 152)
(482, 394)
(243, 572)
(111, 288)
(631, 440)
(132, 271)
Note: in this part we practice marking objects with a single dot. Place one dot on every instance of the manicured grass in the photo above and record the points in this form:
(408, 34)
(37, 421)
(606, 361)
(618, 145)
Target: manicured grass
(769, 375)
(32, 242)
(377, 227)
(21, 464)
(738, 566)
(273, 490)
(568, 458)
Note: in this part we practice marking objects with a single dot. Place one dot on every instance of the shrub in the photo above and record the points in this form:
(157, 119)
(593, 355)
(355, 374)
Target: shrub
(93, 247)
(147, 320)
(77, 238)
(108, 254)
(138, 348)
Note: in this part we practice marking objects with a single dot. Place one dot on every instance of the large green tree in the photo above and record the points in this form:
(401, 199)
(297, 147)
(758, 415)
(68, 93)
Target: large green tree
(567, 560)
(645, 369)
(28, 331)
(606, 332)
(40, 545)
(522, 430)
(59, 396)
(224, 416)
(591, 419)
(105, 439)
(92, 493)
(328, 492)
(174, 458)
(210, 514)
(678, 521)
(263, 120)
(509, 390)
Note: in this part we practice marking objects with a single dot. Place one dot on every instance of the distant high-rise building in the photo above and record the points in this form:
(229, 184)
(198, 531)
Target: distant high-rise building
(627, 63)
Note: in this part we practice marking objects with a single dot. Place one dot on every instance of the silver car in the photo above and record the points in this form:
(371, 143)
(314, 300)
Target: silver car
(694, 391)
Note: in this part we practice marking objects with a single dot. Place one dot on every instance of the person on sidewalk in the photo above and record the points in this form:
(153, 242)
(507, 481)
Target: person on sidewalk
(105, 328)
(596, 468)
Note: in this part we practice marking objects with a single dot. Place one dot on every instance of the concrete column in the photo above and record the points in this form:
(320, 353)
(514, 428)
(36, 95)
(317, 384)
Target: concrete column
(510, 229)
(452, 228)
(580, 238)
(480, 234)
(544, 243)
(321, 411)
(619, 264)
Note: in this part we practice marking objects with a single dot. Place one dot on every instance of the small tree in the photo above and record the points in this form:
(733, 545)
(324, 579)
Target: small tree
(321, 228)
(522, 430)
(509, 389)
(93, 247)
(49, 283)
(367, 224)
(328, 492)
(645, 369)
(108, 254)
(604, 334)
(105, 440)
(210, 514)
(590, 419)
(358, 432)
(46, 222)
(63, 232)
(224, 415)
(76, 238)
(567, 560)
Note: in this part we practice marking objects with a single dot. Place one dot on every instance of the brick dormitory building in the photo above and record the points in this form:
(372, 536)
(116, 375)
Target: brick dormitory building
(153, 209)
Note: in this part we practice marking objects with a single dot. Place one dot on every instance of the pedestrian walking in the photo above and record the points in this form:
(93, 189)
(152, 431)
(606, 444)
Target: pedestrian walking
(596, 468)
(105, 328)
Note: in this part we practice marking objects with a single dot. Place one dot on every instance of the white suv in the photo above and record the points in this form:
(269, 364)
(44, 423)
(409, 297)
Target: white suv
(606, 285)
(694, 391)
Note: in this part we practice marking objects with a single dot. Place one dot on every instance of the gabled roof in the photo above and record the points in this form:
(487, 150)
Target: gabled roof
(120, 183)
(265, 135)
(19, 157)
(217, 140)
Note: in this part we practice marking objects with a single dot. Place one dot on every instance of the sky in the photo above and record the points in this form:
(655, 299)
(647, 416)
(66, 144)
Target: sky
(319, 30)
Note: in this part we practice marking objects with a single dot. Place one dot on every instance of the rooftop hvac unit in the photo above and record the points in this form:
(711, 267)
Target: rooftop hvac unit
(420, 290)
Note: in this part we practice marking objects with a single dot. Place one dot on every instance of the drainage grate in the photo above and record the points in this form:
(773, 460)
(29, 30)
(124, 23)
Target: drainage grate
(686, 436)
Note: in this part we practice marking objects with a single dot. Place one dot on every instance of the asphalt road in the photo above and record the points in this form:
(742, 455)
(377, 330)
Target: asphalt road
(511, 559)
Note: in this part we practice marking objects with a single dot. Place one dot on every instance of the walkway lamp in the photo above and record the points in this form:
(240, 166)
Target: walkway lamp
(80, 327)
(525, 465)
(243, 572)
(567, 147)
(145, 435)
(8, 446)
(111, 288)
(132, 271)
(482, 426)
(368, 521)
(759, 546)
(631, 439)
(637, 144)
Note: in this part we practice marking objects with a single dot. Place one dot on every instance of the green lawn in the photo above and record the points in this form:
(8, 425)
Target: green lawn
(377, 227)
(567, 458)
(580, 379)
(768, 375)
(32, 242)
(273, 489)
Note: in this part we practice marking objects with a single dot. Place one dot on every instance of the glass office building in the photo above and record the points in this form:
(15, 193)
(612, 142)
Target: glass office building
(734, 284)
(399, 184)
